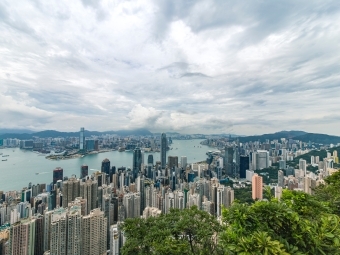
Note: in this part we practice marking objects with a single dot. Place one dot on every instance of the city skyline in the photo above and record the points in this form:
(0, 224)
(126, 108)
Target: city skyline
(190, 67)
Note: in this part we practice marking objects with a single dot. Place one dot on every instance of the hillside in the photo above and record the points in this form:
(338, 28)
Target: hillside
(296, 135)
(318, 138)
(321, 153)
(274, 136)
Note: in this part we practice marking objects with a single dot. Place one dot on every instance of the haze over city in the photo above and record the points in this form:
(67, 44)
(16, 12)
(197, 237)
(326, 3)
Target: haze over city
(187, 66)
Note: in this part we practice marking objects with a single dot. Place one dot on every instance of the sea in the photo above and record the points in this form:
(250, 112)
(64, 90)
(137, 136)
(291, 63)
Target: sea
(22, 165)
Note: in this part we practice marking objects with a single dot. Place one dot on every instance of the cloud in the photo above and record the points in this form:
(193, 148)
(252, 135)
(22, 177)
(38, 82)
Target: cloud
(186, 66)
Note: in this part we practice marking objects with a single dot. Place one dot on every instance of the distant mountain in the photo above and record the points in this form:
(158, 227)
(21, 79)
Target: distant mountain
(296, 135)
(274, 136)
(54, 134)
(318, 138)
(15, 131)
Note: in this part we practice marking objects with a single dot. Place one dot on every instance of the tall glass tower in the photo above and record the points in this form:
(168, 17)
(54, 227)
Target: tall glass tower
(82, 139)
(137, 162)
(163, 150)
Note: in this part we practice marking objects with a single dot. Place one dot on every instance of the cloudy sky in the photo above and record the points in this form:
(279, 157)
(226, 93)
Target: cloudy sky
(243, 67)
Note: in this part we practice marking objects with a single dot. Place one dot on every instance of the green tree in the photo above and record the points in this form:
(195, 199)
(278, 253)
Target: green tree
(188, 231)
(329, 192)
(281, 227)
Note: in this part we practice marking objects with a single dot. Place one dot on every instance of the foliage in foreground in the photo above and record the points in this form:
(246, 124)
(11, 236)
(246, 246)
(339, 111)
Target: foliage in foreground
(297, 224)
(188, 231)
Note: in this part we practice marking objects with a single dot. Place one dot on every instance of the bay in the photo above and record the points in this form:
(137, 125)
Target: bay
(21, 165)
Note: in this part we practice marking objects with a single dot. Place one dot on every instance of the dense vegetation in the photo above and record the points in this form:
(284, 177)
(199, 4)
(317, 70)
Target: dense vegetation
(269, 175)
(321, 153)
(243, 195)
(297, 224)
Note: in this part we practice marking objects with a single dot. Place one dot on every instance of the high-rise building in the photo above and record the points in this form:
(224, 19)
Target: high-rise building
(184, 162)
(282, 164)
(335, 153)
(149, 173)
(114, 240)
(39, 234)
(150, 159)
(229, 160)
(172, 161)
(74, 230)
(137, 163)
(260, 159)
(57, 174)
(106, 167)
(303, 165)
(312, 160)
(58, 234)
(84, 171)
(94, 231)
(257, 187)
(89, 191)
(224, 197)
(317, 159)
(163, 150)
(82, 139)
(22, 237)
(280, 178)
(70, 191)
(89, 145)
(244, 166)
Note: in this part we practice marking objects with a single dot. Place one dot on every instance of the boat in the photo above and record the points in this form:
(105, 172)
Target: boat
(4, 160)
(36, 173)
(5, 156)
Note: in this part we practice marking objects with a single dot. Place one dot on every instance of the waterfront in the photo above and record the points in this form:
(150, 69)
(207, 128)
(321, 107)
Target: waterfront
(22, 166)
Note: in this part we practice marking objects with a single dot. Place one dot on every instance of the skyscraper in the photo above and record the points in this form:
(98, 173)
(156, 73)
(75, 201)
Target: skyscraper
(282, 164)
(260, 159)
(89, 191)
(244, 166)
(106, 167)
(22, 237)
(280, 178)
(84, 171)
(228, 160)
(137, 162)
(94, 230)
(114, 240)
(163, 150)
(184, 162)
(70, 190)
(256, 183)
(149, 173)
(172, 161)
(302, 165)
(57, 174)
(82, 139)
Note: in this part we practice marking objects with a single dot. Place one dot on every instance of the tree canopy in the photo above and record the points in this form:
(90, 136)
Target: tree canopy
(188, 231)
(296, 224)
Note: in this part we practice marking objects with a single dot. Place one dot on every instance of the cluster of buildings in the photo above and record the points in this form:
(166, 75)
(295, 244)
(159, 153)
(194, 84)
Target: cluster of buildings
(92, 143)
(246, 163)
(83, 215)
